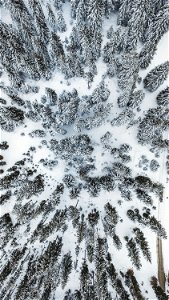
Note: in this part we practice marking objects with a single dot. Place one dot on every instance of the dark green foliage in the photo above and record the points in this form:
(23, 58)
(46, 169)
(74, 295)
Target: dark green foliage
(16, 255)
(93, 217)
(143, 183)
(74, 146)
(156, 77)
(116, 282)
(156, 118)
(65, 269)
(81, 229)
(156, 226)
(133, 285)
(111, 214)
(10, 117)
(39, 19)
(143, 196)
(93, 185)
(84, 278)
(100, 264)
(157, 28)
(117, 242)
(9, 181)
(5, 197)
(142, 242)
(133, 252)
(160, 294)
(163, 97)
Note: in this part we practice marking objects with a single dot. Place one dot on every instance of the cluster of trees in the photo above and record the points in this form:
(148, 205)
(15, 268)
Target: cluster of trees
(32, 47)
(11, 117)
(156, 77)
(77, 145)
(148, 220)
(159, 292)
(152, 126)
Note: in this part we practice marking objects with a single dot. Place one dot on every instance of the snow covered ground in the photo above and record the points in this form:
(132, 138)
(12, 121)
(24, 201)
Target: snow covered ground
(20, 141)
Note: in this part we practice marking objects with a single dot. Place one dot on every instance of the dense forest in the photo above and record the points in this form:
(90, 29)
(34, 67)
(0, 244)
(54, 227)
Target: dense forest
(84, 163)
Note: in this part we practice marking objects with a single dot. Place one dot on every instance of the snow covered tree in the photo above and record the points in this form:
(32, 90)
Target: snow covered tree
(143, 196)
(133, 252)
(52, 96)
(156, 226)
(65, 268)
(11, 117)
(60, 21)
(160, 293)
(133, 285)
(116, 282)
(81, 229)
(163, 97)
(141, 241)
(156, 77)
(100, 94)
(84, 279)
(51, 18)
(100, 264)
(40, 20)
(57, 51)
(136, 99)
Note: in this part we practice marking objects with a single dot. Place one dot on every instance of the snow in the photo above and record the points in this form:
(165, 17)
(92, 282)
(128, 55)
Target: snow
(19, 144)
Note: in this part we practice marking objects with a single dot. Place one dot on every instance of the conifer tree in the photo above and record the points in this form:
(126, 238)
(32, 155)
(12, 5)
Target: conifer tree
(141, 241)
(160, 293)
(163, 97)
(133, 252)
(156, 77)
(65, 268)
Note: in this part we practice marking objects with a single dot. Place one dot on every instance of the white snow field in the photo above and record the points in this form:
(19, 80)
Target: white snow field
(24, 233)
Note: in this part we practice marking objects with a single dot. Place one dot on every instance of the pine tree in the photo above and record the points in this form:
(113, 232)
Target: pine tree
(60, 21)
(156, 77)
(137, 23)
(163, 97)
(57, 51)
(136, 99)
(51, 18)
(110, 221)
(143, 196)
(100, 94)
(117, 242)
(133, 252)
(40, 20)
(84, 279)
(11, 117)
(90, 240)
(156, 226)
(65, 269)
(160, 294)
(133, 285)
(158, 26)
(81, 230)
(116, 282)
(100, 264)
(52, 96)
(141, 241)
